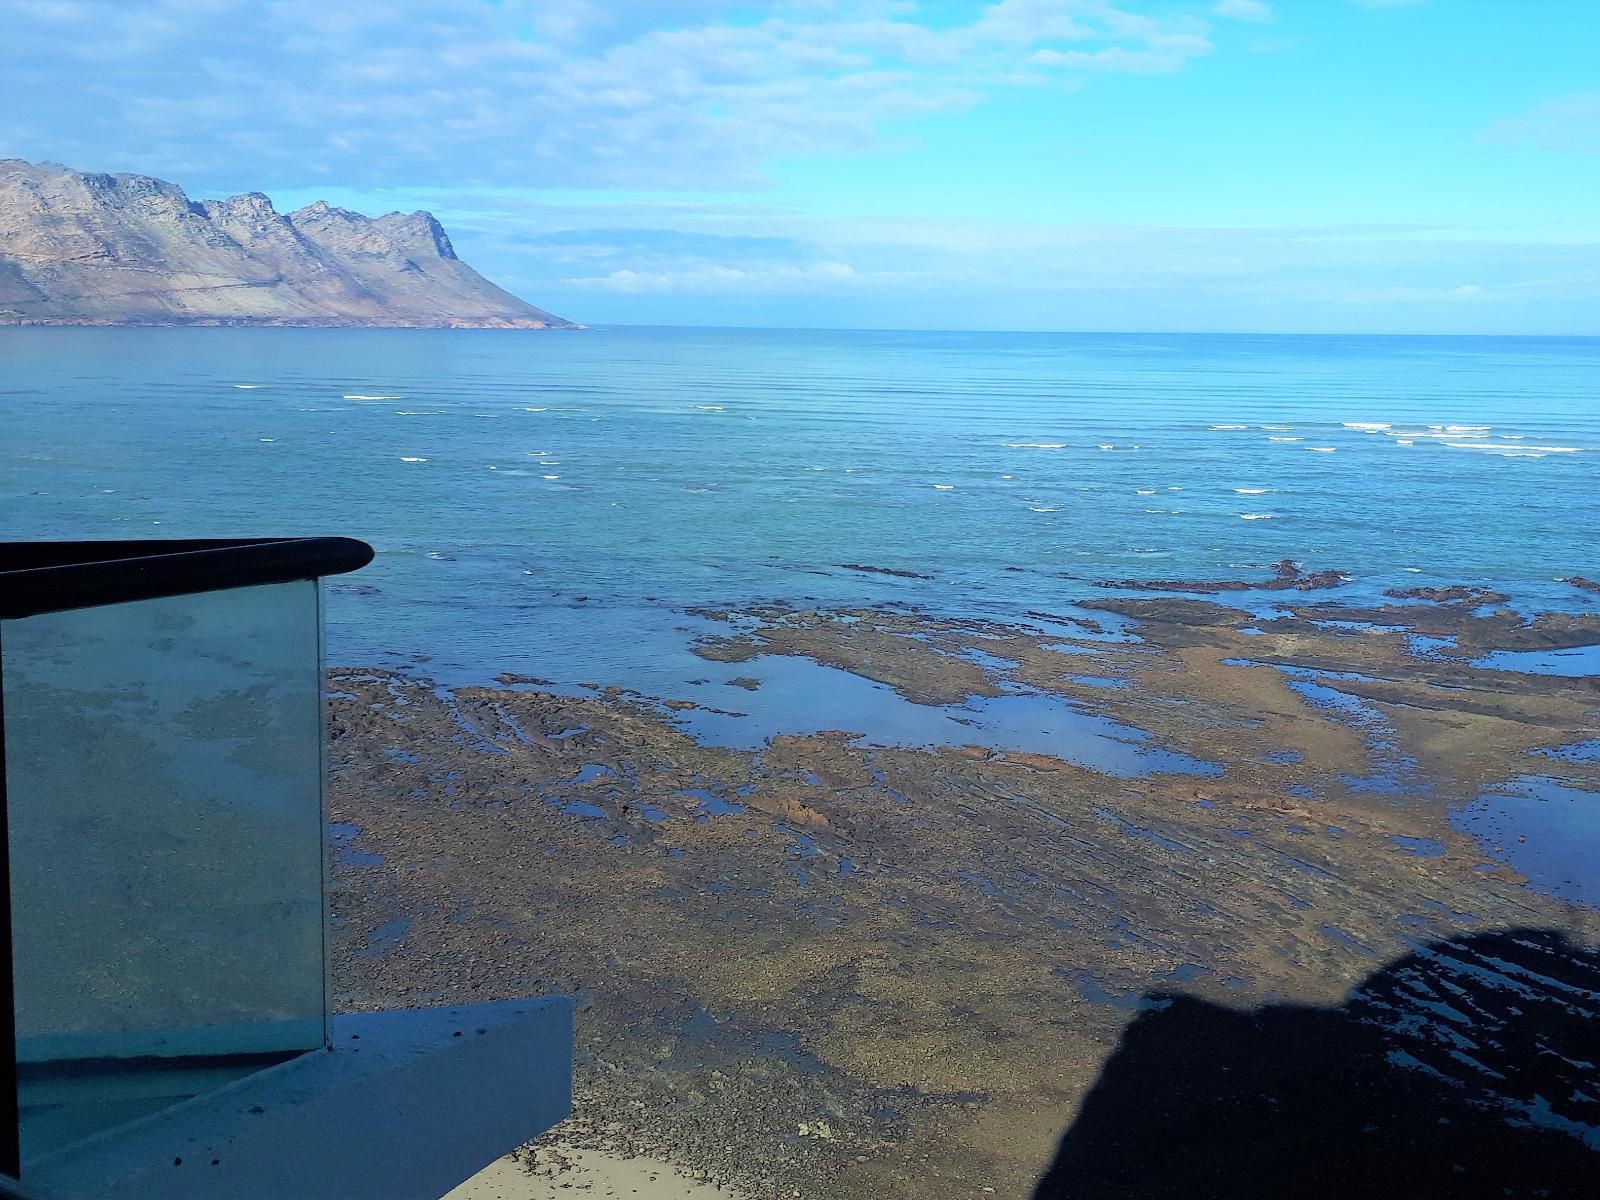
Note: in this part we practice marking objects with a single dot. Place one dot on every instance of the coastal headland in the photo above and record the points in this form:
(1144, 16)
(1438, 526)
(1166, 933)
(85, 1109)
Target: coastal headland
(88, 248)
(838, 965)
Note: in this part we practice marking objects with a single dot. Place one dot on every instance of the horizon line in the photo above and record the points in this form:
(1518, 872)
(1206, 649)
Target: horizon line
(601, 326)
(593, 326)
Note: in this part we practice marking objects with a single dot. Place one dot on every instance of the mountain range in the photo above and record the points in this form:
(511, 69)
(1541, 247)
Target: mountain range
(80, 248)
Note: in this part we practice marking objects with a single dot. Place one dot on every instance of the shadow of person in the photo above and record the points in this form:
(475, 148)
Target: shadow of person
(1468, 1068)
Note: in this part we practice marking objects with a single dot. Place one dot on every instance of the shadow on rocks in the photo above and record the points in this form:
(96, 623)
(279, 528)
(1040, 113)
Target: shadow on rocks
(1468, 1068)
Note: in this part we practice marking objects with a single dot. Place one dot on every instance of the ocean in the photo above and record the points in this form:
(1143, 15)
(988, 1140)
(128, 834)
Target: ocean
(1001, 862)
(554, 503)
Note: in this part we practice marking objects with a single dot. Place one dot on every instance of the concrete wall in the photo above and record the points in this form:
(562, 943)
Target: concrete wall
(406, 1105)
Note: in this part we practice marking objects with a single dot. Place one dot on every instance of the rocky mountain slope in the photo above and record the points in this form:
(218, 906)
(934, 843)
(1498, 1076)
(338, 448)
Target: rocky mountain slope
(78, 248)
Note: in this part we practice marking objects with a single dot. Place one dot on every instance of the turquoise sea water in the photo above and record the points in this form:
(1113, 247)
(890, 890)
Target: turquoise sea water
(551, 503)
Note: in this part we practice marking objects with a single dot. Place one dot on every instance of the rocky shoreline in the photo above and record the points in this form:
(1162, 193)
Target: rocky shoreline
(836, 966)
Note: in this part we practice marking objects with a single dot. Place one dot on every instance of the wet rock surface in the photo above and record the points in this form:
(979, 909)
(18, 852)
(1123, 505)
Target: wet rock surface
(1455, 594)
(1286, 575)
(871, 570)
(855, 969)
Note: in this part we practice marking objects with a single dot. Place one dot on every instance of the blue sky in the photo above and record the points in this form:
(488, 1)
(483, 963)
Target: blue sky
(1272, 165)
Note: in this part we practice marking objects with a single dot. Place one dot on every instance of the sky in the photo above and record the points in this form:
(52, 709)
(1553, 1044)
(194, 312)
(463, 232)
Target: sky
(1384, 166)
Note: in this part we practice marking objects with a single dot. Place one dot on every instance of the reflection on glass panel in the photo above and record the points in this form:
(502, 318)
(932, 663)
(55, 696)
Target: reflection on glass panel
(163, 772)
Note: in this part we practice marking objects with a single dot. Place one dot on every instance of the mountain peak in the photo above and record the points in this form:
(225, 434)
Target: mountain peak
(322, 210)
(420, 230)
(251, 202)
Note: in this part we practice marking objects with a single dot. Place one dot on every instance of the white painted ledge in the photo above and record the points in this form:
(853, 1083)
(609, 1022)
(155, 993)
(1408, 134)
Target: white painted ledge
(406, 1105)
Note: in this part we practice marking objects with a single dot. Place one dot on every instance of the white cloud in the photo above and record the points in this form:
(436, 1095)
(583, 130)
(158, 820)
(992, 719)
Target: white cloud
(1569, 123)
(712, 277)
(1243, 10)
(528, 93)
(1158, 57)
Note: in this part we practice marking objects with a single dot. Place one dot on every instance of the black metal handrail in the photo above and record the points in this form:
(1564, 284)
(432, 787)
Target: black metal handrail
(41, 577)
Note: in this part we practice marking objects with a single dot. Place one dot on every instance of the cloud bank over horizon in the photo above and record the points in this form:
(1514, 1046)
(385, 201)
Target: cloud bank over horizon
(1015, 164)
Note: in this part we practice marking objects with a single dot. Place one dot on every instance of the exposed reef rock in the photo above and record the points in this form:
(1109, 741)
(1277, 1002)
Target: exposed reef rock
(1457, 594)
(78, 248)
(871, 570)
(852, 968)
(1473, 631)
(1286, 576)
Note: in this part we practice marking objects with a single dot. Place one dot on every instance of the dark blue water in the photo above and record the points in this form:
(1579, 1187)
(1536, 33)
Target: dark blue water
(551, 503)
(1545, 830)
